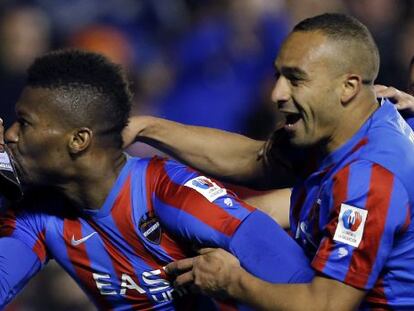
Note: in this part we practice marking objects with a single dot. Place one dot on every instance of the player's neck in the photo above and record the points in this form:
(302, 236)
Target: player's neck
(94, 179)
(351, 121)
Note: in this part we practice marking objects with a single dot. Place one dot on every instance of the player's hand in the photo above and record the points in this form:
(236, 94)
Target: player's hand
(211, 272)
(402, 100)
(131, 133)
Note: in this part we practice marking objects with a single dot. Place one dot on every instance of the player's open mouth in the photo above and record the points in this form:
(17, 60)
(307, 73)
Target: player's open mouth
(292, 119)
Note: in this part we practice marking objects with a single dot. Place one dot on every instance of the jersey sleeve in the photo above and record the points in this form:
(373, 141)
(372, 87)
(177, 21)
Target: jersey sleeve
(18, 264)
(197, 208)
(29, 227)
(192, 206)
(268, 252)
(369, 210)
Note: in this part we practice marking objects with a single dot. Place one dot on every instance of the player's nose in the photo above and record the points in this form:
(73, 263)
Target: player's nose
(281, 91)
(12, 133)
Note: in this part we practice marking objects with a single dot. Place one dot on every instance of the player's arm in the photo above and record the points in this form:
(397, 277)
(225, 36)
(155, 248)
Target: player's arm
(229, 156)
(403, 101)
(275, 203)
(347, 268)
(22, 249)
(227, 279)
(199, 210)
(18, 264)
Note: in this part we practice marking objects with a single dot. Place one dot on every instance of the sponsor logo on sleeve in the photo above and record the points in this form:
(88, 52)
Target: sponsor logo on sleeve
(206, 187)
(351, 223)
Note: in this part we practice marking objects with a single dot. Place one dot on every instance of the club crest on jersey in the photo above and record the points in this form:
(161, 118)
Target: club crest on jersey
(150, 228)
(205, 186)
(351, 223)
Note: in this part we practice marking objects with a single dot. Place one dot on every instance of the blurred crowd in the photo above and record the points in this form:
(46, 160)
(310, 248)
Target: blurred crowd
(199, 62)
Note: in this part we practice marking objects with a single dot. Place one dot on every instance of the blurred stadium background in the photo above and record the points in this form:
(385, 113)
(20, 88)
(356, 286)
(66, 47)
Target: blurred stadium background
(203, 62)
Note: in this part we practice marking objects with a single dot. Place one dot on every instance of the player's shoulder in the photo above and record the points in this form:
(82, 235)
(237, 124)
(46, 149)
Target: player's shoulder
(163, 165)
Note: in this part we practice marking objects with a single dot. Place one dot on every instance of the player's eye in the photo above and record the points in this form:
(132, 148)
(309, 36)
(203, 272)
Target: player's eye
(294, 81)
(22, 122)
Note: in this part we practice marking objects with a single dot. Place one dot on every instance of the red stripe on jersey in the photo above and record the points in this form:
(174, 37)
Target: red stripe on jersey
(376, 296)
(193, 203)
(123, 218)
(363, 257)
(80, 261)
(339, 191)
(361, 143)
(174, 250)
(226, 306)
(152, 177)
(407, 220)
(7, 223)
(122, 266)
(40, 248)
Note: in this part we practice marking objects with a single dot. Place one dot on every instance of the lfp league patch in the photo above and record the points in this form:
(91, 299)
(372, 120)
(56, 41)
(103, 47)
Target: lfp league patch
(209, 189)
(351, 223)
(150, 228)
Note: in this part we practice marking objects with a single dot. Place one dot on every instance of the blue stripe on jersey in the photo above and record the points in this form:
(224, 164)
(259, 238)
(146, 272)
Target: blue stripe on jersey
(113, 194)
(101, 263)
(395, 219)
(359, 183)
(140, 206)
(57, 245)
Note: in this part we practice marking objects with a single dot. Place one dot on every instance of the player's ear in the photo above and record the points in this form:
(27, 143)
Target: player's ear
(79, 140)
(350, 87)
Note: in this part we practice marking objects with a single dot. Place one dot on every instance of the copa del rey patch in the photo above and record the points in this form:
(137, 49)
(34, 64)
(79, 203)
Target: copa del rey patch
(5, 162)
(351, 223)
(209, 189)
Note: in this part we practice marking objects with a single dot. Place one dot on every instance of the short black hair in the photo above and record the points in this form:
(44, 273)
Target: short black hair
(93, 91)
(349, 30)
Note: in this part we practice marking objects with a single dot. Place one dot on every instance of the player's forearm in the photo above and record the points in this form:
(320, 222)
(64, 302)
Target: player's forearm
(263, 295)
(321, 294)
(218, 153)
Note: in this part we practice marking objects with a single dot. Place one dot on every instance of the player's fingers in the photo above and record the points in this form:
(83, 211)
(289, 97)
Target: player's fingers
(379, 87)
(405, 105)
(179, 266)
(390, 92)
(184, 279)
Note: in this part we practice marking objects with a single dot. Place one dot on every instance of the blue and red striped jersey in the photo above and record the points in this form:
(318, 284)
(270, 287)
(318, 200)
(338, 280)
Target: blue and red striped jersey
(353, 215)
(158, 211)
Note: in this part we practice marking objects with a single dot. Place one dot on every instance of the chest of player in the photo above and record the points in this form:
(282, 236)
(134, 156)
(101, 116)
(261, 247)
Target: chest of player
(311, 204)
(116, 262)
